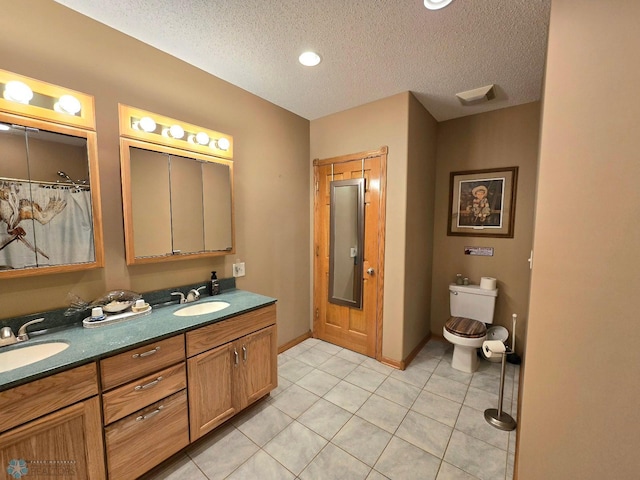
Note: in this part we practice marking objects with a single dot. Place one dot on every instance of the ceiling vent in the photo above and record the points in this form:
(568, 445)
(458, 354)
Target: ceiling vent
(477, 95)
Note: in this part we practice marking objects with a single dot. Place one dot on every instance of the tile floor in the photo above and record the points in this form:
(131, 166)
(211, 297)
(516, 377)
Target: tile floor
(337, 414)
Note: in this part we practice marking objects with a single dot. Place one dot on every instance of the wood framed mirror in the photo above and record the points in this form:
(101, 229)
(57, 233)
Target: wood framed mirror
(346, 247)
(50, 214)
(177, 202)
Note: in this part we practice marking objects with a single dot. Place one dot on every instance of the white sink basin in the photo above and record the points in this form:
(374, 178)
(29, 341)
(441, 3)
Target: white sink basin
(29, 354)
(201, 309)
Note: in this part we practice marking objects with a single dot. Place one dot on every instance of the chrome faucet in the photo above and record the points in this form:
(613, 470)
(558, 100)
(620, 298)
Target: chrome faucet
(8, 338)
(182, 299)
(194, 294)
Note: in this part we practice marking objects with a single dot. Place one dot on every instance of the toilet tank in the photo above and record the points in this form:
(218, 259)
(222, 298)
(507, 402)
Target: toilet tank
(471, 301)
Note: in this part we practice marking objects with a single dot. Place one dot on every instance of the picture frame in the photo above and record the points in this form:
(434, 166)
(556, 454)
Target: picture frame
(482, 203)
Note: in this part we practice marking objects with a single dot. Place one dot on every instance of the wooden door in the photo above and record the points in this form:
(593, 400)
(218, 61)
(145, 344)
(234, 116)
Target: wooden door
(210, 380)
(359, 330)
(257, 374)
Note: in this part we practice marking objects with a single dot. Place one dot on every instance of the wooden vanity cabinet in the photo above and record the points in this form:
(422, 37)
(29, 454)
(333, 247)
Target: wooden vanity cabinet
(145, 407)
(53, 425)
(231, 364)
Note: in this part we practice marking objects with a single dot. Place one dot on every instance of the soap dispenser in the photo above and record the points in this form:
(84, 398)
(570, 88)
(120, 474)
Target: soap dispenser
(214, 285)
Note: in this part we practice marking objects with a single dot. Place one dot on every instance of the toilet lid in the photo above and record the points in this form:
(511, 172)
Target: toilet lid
(466, 327)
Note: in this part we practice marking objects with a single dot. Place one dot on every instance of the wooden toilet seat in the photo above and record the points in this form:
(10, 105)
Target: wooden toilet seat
(466, 327)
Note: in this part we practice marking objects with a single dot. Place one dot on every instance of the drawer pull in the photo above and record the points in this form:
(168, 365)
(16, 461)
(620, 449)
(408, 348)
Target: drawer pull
(150, 414)
(145, 354)
(244, 353)
(236, 360)
(149, 385)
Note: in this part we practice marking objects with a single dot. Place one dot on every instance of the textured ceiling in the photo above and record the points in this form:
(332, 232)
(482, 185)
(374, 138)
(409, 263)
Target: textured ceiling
(371, 49)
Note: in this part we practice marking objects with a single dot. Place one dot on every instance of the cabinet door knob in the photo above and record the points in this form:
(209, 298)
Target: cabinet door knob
(244, 353)
(237, 358)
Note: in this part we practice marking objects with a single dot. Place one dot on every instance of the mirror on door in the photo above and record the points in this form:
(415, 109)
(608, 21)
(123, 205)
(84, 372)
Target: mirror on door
(346, 242)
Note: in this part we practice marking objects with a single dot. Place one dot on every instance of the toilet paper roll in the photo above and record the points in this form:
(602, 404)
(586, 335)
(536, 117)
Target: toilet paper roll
(488, 283)
(493, 347)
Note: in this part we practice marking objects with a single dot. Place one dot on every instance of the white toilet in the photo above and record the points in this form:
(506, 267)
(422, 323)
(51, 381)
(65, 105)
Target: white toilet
(471, 308)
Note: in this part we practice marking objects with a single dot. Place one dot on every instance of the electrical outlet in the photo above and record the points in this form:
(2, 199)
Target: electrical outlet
(238, 269)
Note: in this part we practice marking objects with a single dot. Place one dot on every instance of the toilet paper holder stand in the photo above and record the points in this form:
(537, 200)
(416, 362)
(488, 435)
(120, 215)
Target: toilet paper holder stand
(495, 416)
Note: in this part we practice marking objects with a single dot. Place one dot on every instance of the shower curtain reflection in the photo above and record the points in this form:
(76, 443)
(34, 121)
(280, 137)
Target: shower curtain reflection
(44, 225)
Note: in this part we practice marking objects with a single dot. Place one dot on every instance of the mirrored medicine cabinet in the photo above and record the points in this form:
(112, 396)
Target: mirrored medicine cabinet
(178, 201)
(50, 216)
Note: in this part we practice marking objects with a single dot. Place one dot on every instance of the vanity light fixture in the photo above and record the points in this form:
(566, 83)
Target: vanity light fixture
(4, 127)
(309, 59)
(147, 124)
(436, 4)
(223, 144)
(68, 104)
(44, 101)
(202, 138)
(176, 131)
(16, 91)
(151, 127)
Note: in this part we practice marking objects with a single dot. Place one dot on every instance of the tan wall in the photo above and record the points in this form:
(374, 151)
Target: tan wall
(579, 413)
(502, 138)
(421, 171)
(369, 127)
(47, 41)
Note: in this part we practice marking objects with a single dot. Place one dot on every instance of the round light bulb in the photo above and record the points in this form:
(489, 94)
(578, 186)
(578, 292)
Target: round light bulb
(309, 59)
(202, 138)
(436, 4)
(69, 104)
(176, 131)
(147, 124)
(223, 143)
(16, 91)
(4, 127)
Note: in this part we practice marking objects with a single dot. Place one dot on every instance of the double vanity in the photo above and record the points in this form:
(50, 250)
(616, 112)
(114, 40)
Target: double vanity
(118, 400)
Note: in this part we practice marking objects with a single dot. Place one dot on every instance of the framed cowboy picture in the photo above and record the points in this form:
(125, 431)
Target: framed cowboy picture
(482, 203)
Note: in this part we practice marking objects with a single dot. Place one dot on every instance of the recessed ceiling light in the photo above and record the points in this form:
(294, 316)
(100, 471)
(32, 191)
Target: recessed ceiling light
(309, 59)
(436, 4)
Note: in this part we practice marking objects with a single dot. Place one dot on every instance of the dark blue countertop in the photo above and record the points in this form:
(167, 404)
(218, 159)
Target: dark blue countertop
(90, 344)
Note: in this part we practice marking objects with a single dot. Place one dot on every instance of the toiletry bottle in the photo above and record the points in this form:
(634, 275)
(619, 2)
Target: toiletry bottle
(214, 285)
(458, 279)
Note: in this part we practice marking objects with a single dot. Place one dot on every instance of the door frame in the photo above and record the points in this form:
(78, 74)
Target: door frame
(382, 223)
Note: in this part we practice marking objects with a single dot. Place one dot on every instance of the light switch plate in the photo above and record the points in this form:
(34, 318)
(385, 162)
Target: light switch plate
(238, 269)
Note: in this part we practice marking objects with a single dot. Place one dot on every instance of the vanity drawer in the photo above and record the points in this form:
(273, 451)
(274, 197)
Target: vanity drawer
(32, 400)
(211, 336)
(142, 440)
(122, 401)
(126, 367)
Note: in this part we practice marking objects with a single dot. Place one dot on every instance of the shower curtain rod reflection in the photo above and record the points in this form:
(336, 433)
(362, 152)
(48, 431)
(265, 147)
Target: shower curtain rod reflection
(44, 182)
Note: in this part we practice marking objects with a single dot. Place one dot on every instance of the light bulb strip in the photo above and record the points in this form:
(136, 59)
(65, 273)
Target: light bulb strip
(151, 127)
(44, 101)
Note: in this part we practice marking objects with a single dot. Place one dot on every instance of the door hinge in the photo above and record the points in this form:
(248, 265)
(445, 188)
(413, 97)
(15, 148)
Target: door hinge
(317, 313)
(317, 250)
(317, 187)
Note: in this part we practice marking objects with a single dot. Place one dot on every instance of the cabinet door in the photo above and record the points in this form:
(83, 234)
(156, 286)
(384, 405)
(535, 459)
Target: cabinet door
(258, 374)
(63, 444)
(210, 386)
